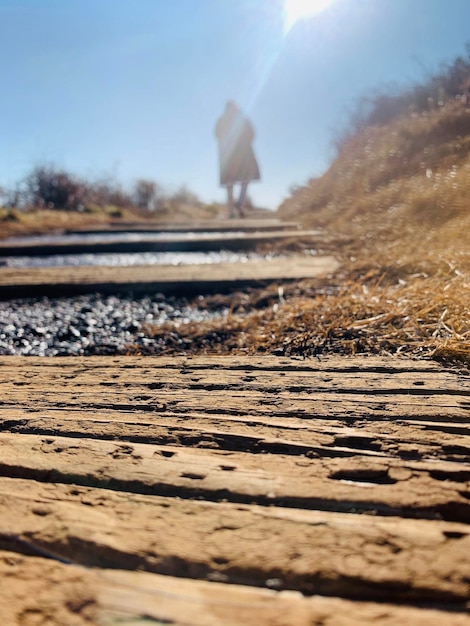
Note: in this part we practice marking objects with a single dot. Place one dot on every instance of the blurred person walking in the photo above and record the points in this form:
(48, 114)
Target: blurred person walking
(237, 160)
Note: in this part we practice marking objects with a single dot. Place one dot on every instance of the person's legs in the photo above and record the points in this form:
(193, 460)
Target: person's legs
(241, 199)
(230, 204)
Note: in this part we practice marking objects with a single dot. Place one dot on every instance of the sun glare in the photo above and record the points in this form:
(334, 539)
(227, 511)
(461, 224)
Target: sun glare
(296, 10)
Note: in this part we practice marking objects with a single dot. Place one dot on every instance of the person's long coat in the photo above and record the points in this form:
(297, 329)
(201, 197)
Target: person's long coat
(237, 160)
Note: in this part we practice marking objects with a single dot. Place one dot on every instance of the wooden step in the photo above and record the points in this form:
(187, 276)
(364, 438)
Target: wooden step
(218, 490)
(264, 224)
(360, 557)
(78, 596)
(174, 242)
(183, 280)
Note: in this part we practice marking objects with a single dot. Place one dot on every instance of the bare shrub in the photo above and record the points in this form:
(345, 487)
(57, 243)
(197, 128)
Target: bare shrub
(148, 195)
(108, 192)
(184, 195)
(52, 188)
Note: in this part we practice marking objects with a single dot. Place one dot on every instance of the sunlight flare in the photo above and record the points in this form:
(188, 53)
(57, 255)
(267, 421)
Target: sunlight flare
(296, 10)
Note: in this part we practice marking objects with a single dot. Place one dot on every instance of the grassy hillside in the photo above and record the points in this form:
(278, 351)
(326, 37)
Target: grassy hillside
(398, 195)
(399, 190)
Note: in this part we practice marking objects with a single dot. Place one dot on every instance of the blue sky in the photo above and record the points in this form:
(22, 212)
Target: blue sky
(133, 88)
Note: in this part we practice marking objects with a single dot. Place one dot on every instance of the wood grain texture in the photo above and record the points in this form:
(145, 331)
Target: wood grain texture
(215, 490)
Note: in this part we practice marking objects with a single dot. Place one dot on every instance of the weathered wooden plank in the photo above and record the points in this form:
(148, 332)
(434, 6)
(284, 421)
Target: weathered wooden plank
(75, 596)
(313, 438)
(202, 604)
(172, 242)
(220, 225)
(37, 591)
(239, 438)
(387, 486)
(128, 366)
(203, 420)
(273, 386)
(156, 385)
(240, 403)
(249, 430)
(150, 393)
(355, 556)
(182, 279)
(212, 378)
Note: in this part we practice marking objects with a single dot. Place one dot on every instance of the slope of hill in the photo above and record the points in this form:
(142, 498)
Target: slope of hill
(398, 196)
(401, 189)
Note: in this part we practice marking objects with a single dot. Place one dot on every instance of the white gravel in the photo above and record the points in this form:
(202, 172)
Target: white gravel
(92, 324)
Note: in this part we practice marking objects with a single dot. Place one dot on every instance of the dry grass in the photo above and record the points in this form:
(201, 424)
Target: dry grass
(15, 223)
(367, 315)
(388, 183)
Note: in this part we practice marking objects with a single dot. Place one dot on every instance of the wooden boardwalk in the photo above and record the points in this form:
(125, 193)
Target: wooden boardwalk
(249, 224)
(216, 491)
(118, 241)
(183, 280)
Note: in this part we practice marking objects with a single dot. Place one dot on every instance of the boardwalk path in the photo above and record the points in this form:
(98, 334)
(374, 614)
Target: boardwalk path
(169, 279)
(216, 491)
(180, 280)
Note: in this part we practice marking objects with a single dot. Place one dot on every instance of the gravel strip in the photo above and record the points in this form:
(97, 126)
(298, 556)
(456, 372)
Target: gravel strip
(88, 325)
(123, 259)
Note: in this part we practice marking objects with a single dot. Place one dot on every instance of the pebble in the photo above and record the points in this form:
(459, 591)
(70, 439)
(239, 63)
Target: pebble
(91, 324)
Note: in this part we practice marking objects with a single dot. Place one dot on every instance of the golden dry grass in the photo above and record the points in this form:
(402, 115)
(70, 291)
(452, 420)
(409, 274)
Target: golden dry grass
(15, 223)
(369, 315)
(406, 184)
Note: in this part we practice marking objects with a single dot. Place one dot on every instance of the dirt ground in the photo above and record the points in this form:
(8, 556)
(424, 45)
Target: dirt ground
(233, 490)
